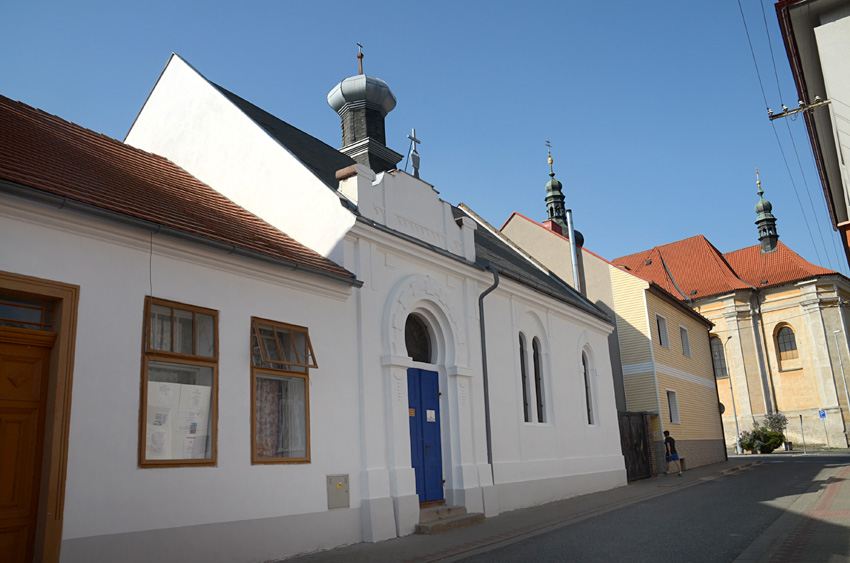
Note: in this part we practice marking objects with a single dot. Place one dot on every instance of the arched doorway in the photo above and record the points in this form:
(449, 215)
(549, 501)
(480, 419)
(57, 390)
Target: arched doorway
(423, 395)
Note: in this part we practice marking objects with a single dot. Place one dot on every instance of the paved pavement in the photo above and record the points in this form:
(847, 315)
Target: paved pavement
(521, 524)
(816, 527)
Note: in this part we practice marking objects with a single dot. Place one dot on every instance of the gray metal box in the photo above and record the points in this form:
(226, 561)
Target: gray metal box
(338, 491)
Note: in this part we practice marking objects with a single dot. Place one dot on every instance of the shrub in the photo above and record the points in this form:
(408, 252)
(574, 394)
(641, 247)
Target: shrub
(767, 437)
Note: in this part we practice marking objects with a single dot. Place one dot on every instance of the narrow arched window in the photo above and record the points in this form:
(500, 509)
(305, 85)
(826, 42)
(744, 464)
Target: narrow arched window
(588, 395)
(538, 380)
(786, 343)
(718, 358)
(524, 376)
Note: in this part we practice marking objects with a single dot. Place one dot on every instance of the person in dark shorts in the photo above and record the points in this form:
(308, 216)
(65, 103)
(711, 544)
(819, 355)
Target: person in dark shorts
(670, 449)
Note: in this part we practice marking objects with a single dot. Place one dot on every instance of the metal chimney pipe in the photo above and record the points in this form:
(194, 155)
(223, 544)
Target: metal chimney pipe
(573, 250)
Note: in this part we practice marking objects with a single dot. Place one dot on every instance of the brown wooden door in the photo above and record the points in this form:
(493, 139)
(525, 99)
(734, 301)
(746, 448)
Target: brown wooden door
(24, 369)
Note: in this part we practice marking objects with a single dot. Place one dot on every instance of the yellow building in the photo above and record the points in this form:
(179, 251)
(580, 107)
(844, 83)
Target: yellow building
(660, 350)
(779, 327)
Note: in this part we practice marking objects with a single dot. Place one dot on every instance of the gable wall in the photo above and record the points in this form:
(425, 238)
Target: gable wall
(187, 120)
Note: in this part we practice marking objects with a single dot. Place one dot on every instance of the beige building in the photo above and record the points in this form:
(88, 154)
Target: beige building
(779, 327)
(661, 357)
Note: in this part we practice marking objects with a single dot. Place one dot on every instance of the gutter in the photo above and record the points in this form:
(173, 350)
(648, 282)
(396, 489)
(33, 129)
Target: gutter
(62, 202)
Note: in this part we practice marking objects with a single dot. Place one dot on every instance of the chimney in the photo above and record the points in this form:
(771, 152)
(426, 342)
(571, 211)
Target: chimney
(362, 103)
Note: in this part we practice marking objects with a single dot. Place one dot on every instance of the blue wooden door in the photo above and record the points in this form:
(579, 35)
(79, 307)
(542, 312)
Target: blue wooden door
(426, 455)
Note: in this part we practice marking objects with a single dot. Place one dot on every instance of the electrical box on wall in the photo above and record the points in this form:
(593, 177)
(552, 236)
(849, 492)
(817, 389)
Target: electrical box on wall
(338, 491)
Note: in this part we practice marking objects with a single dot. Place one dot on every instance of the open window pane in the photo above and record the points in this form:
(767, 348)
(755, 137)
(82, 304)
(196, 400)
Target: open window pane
(283, 347)
(281, 417)
(178, 421)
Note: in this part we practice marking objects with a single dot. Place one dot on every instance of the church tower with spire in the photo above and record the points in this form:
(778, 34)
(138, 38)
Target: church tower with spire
(555, 199)
(765, 221)
(363, 103)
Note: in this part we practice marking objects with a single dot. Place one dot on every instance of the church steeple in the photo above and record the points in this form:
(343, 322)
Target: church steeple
(362, 103)
(555, 197)
(765, 221)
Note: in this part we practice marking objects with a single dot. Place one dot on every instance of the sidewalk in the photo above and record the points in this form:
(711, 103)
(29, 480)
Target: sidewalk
(520, 524)
(815, 528)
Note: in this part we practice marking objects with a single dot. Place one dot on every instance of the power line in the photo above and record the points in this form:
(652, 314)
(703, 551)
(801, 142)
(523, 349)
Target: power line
(794, 145)
(778, 142)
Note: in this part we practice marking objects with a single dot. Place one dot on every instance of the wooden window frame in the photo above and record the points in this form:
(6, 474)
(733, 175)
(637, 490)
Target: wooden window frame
(148, 355)
(279, 372)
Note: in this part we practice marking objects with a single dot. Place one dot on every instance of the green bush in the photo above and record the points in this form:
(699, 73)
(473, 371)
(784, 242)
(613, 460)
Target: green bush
(762, 439)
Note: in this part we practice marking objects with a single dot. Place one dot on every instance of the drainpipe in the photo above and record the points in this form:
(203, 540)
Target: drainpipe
(484, 370)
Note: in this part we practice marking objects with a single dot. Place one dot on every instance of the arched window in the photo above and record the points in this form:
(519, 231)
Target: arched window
(538, 380)
(417, 339)
(588, 393)
(524, 376)
(786, 343)
(718, 358)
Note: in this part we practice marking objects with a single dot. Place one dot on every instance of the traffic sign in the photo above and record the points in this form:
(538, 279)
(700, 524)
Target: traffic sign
(822, 413)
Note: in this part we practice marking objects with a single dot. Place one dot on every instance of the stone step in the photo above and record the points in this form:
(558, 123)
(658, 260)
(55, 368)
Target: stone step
(452, 523)
(439, 513)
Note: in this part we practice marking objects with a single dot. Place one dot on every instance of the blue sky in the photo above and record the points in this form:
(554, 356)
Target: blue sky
(654, 109)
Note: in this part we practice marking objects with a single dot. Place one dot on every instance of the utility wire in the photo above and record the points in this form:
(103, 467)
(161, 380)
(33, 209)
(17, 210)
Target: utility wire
(781, 150)
(796, 151)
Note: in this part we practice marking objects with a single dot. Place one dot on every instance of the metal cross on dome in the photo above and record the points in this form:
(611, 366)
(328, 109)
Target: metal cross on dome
(414, 155)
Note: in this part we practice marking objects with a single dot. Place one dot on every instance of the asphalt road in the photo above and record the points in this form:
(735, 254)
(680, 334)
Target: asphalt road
(713, 522)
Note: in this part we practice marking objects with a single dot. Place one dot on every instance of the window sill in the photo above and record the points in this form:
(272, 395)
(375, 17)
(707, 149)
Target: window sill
(795, 368)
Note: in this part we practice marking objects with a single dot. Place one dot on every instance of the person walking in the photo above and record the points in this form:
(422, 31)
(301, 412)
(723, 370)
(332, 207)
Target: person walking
(670, 448)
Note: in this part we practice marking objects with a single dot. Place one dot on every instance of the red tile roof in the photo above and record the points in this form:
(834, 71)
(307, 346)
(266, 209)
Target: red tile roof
(778, 267)
(42, 151)
(693, 268)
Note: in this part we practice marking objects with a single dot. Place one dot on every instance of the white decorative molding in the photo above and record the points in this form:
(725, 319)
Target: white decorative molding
(634, 369)
(420, 232)
(685, 376)
(425, 292)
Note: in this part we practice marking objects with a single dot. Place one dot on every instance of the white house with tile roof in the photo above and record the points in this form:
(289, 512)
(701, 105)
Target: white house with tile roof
(238, 397)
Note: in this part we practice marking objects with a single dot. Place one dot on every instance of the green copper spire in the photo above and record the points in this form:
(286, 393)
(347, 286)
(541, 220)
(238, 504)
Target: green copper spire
(765, 221)
(554, 196)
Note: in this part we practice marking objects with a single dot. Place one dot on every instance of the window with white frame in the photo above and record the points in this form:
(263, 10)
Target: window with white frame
(686, 342)
(673, 406)
(661, 323)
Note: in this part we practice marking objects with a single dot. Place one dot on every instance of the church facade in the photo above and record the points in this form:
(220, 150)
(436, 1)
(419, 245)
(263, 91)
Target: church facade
(298, 391)
(660, 347)
(779, 342)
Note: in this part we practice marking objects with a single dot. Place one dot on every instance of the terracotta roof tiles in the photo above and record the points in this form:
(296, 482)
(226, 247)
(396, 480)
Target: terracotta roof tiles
(44, 152)
(693, 268)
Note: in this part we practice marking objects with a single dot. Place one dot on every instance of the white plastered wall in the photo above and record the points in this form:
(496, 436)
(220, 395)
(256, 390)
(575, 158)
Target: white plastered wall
(109, 502)
(190, 122)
